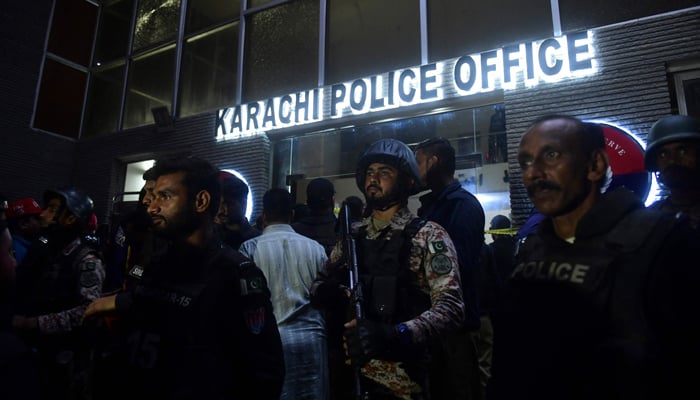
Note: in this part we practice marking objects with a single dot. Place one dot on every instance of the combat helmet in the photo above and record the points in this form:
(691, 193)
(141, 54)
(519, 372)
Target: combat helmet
(75, 200)
(669, 129)
(391, 152)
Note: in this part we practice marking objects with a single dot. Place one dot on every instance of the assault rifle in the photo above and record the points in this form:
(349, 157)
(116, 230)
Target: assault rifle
(350, 252)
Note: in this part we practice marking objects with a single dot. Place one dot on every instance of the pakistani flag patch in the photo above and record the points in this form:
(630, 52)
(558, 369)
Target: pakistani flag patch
(438, 246)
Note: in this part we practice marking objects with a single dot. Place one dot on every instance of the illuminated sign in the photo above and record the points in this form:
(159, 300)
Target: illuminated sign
(507, 68)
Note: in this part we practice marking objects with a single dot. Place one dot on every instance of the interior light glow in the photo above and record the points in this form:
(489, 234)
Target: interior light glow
(249, 200)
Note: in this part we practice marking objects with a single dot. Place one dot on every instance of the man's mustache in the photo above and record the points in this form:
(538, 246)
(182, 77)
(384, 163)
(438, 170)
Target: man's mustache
(373, 186)
(541, 185)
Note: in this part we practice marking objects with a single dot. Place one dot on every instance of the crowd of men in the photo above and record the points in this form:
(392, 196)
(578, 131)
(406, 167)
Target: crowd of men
(190, 301)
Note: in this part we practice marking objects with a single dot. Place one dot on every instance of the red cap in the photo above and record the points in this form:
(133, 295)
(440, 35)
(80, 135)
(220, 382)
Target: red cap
(92, 223)
(22, 207)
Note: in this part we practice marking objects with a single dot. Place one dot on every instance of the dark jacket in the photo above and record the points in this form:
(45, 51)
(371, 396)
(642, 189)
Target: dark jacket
(234, 239)
(319, 226)
(462, 216)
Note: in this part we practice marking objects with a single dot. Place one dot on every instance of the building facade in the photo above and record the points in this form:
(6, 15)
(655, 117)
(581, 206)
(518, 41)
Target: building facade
(283, 91)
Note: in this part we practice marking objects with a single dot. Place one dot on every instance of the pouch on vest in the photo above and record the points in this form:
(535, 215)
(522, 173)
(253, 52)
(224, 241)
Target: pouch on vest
(384, 296)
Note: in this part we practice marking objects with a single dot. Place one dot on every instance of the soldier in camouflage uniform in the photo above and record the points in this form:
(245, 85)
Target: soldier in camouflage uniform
(59, 277)
(408, 271)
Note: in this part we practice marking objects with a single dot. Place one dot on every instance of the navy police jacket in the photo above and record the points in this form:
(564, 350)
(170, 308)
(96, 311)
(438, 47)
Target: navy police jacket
(612, 315)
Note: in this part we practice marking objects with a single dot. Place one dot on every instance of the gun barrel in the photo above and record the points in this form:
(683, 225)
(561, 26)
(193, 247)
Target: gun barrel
(355, 286)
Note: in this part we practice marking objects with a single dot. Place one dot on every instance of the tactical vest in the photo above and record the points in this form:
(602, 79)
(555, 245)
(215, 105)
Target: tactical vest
(51, 283)
(169, 332)
(56, 286)
(390, 295)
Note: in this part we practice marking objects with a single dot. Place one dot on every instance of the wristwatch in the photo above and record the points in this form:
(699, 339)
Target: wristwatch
(404, 334)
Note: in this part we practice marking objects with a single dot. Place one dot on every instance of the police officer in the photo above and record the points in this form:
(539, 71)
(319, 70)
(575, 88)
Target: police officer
(672, 152)
(199, 322)
(60, 276)
(232, 225)
(600, 303)
(409, 276)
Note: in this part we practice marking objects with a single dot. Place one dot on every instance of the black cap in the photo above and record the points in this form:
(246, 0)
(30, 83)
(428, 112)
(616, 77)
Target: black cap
(319, 192)
(500, 222)
(231, 186)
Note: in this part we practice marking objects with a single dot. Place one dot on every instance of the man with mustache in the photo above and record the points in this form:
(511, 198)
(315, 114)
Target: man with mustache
(198, 323)
(409, 274)
(672, 153)
(602, 301)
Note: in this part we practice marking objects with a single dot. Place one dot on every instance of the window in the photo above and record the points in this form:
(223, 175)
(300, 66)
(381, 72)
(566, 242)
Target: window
(281, 54)
(206, 13)
(63, 78)
(72, 30)
(156, 22)
(579, 15)
(104, 100)
(353, 49)
(150, 84)
(133, 181)
(456, 29)
(60, 99)
(255, 3)
(687, 85)
(113, 36)
(208, 77)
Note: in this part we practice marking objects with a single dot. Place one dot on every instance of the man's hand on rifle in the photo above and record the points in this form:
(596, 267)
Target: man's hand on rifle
(328, 293)
(366, 340)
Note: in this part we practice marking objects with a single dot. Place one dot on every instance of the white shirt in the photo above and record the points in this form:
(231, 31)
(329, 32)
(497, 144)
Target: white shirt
(290, 263)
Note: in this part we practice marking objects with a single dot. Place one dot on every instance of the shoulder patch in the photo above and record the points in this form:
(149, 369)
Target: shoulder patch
(136, 271)
(88, 266)
(438, 246)
(441, 264)
(255, 320)
(252, 285)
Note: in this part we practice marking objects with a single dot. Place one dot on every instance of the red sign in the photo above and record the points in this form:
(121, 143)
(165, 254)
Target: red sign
(626, 156)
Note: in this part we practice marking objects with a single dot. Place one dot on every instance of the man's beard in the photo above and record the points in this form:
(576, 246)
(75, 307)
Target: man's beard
(179, 225)
(385, 201)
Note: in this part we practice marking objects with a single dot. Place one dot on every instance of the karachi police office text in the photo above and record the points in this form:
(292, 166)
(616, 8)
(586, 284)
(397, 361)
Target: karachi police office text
(548, 60)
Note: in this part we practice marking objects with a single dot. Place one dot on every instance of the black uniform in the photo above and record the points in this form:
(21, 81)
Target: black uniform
(612, 315)
(200, 326)
(235, 238)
